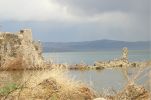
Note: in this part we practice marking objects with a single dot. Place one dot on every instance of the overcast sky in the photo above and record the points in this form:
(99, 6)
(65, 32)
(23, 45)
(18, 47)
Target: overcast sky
(78, 20)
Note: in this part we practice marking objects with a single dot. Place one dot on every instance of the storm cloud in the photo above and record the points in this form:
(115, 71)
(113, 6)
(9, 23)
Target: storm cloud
(78, 20)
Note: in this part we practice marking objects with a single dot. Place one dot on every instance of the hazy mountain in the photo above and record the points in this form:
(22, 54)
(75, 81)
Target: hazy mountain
(94, 45)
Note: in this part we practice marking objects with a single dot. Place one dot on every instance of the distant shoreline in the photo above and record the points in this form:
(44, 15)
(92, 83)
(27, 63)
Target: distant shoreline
(97, 45)
(132, 50)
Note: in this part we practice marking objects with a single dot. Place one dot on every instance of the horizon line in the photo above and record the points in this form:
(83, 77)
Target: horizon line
(95, 40)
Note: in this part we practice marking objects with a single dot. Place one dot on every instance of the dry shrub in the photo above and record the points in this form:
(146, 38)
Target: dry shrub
(133, 92)
(52, 85)
(150, 82)
(13, 64)
(63, 88)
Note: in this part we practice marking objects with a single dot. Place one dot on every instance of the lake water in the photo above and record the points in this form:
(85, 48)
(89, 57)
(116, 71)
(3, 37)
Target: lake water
(98, 80)
(91, 57)
(108, 78)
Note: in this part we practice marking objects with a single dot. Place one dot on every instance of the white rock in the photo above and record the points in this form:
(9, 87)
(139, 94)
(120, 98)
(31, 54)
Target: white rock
(99, 99)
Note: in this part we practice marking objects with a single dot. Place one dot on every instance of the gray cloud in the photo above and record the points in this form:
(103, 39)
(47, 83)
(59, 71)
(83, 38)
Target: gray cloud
(78, 20)
(100, 6)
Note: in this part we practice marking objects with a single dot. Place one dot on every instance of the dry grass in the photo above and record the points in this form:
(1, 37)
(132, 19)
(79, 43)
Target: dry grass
(133, 91)
(150, 82)
(55, 85)
(51, 85)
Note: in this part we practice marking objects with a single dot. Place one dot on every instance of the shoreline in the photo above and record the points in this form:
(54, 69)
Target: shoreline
(84, 66)
(19, 52)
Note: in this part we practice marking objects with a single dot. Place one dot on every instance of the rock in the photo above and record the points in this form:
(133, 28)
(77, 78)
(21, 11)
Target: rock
(125, 53)
(118, 62)
(99, 99)
(19, 45)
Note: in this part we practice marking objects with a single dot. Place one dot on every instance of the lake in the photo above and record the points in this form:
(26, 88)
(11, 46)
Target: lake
(108, 78)
(99, 80)
(91, 57)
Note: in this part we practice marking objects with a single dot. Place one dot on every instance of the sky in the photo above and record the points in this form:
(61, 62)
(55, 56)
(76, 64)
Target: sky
(78, 20)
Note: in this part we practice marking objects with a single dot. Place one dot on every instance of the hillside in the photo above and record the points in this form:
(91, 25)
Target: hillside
(94, 45)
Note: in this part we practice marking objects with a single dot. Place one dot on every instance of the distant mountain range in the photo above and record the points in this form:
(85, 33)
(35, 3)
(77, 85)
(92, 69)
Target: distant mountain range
(94, 45)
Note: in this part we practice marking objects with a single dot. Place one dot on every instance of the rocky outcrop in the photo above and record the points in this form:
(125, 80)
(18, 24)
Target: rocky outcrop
(119, 62)
(19, 51)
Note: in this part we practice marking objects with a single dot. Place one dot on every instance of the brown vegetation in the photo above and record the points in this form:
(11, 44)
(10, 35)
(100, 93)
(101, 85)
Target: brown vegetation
(133, 92)
(49, 85)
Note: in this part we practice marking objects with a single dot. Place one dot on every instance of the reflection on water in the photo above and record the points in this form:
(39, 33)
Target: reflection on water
(99, 80)
(110, 78)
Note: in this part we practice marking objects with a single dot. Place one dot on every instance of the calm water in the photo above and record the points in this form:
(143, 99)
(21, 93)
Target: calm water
(108, 78)
(98, 80)
(91, 57)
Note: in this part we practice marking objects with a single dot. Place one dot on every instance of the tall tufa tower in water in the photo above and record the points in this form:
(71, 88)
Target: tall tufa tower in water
(125, 54)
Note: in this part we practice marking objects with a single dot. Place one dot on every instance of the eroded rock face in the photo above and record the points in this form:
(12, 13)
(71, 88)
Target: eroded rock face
(118, 62)
(125, 53)
(18, 51)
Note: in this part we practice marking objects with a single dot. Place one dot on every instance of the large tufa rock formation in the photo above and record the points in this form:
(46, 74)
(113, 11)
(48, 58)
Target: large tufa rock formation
(125, 54)
(19, 51)
(119, 62)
